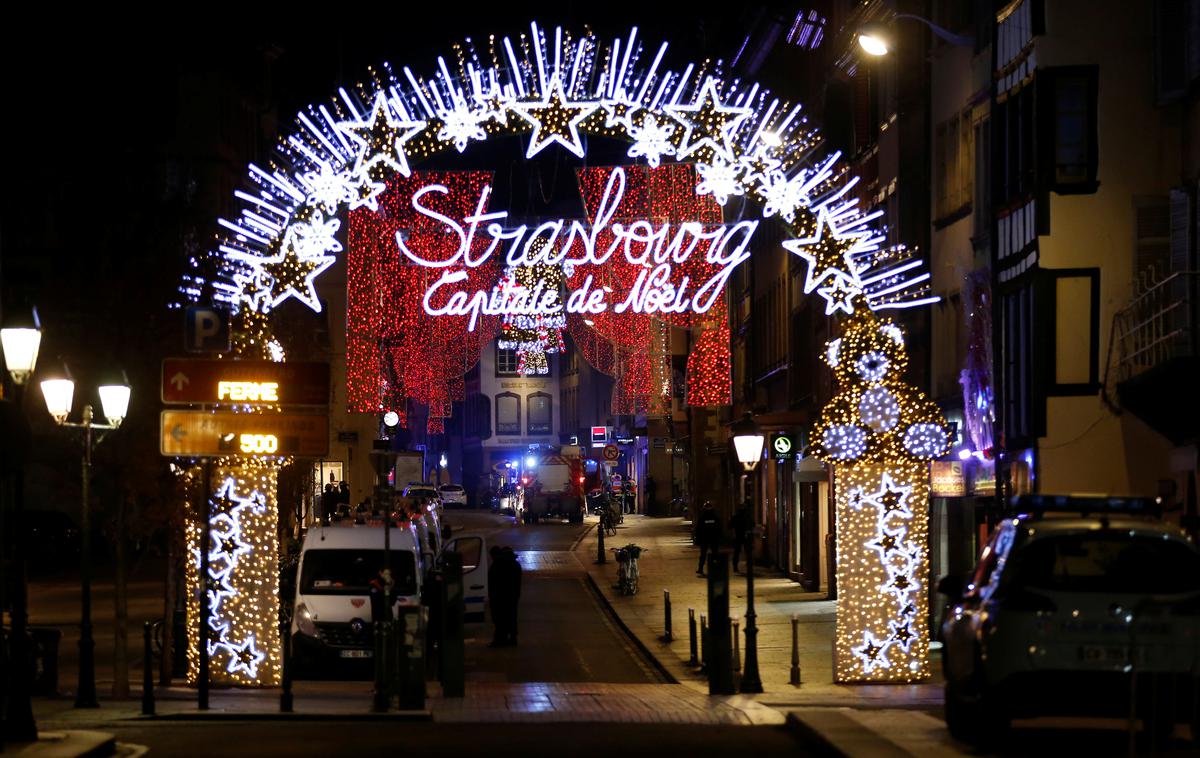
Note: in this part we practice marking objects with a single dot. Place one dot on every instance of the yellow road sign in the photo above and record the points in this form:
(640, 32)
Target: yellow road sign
(204, 433)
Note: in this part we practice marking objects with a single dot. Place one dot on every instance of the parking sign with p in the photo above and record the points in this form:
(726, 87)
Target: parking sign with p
(206, 330)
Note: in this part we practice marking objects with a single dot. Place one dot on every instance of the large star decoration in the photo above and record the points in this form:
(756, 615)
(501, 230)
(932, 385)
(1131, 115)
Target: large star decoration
(872, 653)
(245, 657)
(827, 256)
(709, 124)
(381, 137)
(292, 275)
(555, 120)
(890, 498)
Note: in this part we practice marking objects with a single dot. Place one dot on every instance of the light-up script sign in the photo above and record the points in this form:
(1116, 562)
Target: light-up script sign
(576, 245)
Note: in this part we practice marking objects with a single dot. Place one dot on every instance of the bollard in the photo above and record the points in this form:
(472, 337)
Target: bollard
(382, 699)
(285, 692)
(694, 660)
(795, 679)
(703, 641)
(600, 556)
(147, 671)
(667, 636)
(737, 646)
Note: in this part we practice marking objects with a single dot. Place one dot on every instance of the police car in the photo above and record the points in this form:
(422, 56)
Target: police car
(1078, 606)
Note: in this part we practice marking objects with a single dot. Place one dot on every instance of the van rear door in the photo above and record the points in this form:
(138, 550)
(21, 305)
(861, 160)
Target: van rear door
(473, 548)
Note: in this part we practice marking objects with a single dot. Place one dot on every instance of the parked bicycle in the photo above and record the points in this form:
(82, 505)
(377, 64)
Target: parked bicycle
(627, 568)
(608, 522)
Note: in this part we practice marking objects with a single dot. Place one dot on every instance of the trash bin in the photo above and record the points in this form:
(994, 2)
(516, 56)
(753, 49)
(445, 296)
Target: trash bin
(45, 659)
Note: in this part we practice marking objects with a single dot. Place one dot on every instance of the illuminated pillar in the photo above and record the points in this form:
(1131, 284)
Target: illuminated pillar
(879, 434)
(243, 599)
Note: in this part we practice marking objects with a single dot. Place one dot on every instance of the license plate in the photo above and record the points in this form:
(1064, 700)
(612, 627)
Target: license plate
(356, 653)
(1104, 653)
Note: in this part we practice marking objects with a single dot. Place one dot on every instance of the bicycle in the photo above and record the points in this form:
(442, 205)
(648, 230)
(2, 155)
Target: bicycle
(627, 568)
(608, 522)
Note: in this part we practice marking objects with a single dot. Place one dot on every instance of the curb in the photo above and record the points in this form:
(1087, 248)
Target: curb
(575, 545)
(261, 716)
(829, 732)
(655, 663)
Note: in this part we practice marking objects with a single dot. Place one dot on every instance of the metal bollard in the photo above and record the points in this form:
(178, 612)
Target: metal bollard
(703, 641)
(285, 692)
(382, 698)
(600, 556)
(737, 647)
(795, 679)
(147, 671)
(694, 660)
(667, 636)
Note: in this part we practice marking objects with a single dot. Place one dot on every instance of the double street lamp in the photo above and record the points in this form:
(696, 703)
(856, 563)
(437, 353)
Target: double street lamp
(748, 444)
(20, 339)
(114, 402)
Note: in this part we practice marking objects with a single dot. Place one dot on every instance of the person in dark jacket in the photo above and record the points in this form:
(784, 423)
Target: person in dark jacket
(739, 526)
(708, 533)
(328, 504)
(504, 593)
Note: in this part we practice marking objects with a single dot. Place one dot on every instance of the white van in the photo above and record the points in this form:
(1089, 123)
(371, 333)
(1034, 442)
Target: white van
(332, 613)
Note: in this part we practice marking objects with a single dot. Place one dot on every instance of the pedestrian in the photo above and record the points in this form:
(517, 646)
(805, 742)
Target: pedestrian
(651, 492)
(380, 589)
(344, 495)
(739, 526)
(329, 500)
(513, 567)
(708, 533)
(498, 590)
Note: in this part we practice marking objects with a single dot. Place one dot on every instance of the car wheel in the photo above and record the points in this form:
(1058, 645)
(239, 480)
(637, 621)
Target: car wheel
(974, 716)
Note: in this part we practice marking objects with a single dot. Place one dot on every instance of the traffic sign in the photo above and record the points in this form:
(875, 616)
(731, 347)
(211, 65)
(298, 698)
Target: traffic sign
(206, 330)
(199, 380)
(611, 453)
(204, 433)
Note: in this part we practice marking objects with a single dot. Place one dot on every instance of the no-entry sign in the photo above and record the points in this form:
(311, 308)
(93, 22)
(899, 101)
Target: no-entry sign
(212, 382)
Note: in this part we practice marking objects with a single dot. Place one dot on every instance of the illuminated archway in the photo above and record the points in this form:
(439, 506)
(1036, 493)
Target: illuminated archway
(655, 251)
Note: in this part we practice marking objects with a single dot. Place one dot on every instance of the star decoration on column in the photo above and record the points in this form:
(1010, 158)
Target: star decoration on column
(902, 634)
(245, 657)
(872, 653)
(891, 498)
(554, 119)
(709, 124)
(839, 295)
(381, 137)
(888, 542)
(292, 275)
(829, 255)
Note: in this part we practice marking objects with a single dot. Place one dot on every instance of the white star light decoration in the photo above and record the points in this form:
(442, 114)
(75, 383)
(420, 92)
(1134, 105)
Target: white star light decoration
(555, 120)
(381, 138)
(827, 259)
(329, 188)
(698, 117)
(719, 179)
(227, 548)
(461, 124)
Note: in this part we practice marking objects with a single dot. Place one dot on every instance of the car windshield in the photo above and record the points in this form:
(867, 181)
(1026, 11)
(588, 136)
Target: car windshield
(1115, 562)
(349, 572)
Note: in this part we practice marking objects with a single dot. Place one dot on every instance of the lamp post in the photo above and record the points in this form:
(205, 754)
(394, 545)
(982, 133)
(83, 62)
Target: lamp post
(20, 339)
(114, 402)
(876, 38)
(748, 443)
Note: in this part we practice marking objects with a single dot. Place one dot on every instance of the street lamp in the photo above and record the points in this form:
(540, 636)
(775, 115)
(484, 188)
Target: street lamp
(114, 403)
(20, 339)
(876, 38)
(748, 444)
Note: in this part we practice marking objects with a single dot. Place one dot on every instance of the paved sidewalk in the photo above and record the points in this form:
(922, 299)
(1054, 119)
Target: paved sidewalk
(670, 564)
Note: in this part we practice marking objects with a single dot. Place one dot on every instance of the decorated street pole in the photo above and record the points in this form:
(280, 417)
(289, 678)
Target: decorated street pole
(880, 434)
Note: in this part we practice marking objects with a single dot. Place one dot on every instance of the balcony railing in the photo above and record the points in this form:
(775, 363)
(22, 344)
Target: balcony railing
(1158, 325)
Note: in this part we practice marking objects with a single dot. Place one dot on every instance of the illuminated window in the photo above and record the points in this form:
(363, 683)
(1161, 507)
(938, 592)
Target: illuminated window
(539, 413)
(508, 413)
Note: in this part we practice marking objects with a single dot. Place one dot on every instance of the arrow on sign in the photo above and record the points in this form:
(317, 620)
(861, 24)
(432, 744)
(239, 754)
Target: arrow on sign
(177, 433)
(180, 381)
